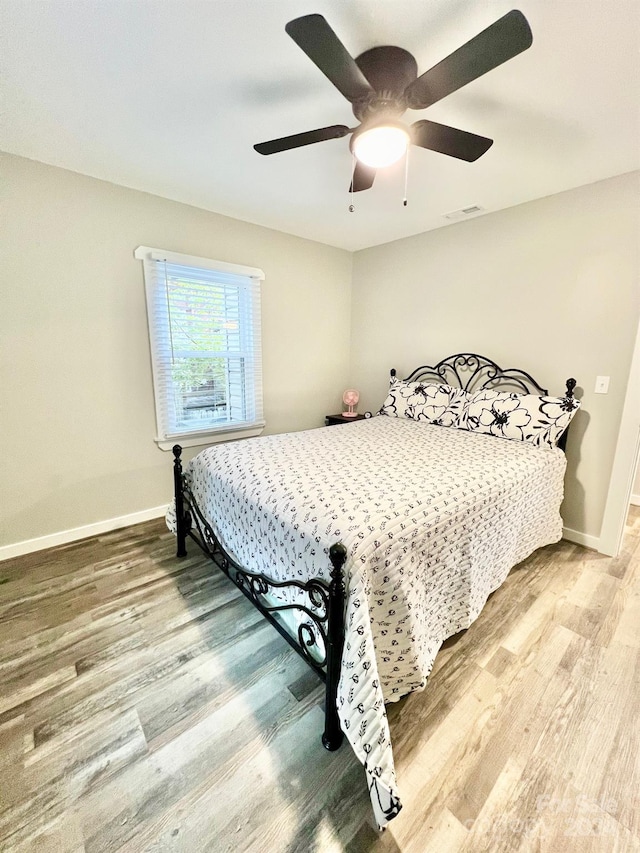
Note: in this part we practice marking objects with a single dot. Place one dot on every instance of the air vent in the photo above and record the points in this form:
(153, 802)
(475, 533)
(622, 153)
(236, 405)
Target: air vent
(464, 212)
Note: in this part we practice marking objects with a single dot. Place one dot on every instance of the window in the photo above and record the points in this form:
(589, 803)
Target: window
(204, 329)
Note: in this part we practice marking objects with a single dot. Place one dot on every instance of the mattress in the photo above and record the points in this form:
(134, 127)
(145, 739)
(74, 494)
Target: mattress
(433, 518)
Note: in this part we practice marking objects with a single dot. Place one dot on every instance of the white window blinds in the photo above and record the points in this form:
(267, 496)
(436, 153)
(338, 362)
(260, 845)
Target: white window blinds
(204, 327)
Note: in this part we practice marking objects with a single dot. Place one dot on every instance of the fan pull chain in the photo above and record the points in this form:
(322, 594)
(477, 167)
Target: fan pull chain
(353, 172)
(406, 176)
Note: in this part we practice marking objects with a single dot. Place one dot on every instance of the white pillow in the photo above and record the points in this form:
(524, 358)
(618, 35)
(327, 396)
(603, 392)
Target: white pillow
(539, 420)
(423, 401)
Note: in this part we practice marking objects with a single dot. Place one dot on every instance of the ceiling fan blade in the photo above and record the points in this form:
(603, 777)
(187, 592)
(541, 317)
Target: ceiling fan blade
(363, 178)
(449, 140)
(503, 40)
(323, 47)
(286, 143)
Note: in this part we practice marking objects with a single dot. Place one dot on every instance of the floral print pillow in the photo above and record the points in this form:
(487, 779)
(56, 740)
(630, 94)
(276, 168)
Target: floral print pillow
(422, 401)
(521, 417)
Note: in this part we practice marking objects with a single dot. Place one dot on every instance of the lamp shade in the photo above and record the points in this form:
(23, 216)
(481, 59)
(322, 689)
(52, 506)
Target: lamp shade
(381, 145)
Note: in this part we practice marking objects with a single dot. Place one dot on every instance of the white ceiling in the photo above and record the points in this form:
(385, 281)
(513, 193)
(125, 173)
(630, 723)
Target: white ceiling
(168, 96)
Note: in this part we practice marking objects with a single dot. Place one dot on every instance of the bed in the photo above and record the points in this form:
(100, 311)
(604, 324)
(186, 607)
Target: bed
(367, 545)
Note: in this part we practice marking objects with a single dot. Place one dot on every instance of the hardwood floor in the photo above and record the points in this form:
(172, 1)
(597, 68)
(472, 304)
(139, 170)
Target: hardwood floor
(146, 706)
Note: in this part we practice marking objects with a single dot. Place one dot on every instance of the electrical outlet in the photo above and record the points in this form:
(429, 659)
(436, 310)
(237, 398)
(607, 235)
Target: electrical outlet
(602, 385)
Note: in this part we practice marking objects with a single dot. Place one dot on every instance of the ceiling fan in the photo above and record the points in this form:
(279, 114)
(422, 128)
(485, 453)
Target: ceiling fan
(382, 83)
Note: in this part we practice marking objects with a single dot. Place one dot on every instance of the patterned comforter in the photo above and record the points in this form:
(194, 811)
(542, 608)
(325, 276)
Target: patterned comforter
(433, 518)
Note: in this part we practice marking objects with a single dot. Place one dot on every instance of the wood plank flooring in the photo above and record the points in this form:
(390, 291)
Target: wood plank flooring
(144, 705)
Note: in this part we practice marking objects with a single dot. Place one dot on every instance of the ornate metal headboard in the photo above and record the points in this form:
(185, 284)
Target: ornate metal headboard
(473, 372)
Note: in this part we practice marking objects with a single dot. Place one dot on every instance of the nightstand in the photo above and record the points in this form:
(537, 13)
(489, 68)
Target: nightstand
(332, 420)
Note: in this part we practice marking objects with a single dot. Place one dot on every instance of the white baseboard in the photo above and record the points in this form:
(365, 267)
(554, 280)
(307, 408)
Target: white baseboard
(66, 536)
(635, 500)
(581, 538)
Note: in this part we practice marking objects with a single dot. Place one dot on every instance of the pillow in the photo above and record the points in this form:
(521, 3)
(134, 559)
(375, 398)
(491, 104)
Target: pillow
(421, 401)
(521, 417)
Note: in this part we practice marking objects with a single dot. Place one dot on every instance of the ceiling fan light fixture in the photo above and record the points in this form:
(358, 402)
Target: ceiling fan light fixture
(381, 145)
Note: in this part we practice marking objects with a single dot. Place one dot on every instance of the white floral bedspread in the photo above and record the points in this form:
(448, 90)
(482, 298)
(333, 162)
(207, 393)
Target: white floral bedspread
(433, 518)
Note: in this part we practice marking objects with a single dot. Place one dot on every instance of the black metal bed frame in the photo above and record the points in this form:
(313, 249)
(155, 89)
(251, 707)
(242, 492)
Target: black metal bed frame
(472, 372)
(323, 625)
(324, 617)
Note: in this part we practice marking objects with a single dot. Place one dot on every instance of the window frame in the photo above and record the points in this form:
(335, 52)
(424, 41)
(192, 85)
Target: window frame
(210, 434)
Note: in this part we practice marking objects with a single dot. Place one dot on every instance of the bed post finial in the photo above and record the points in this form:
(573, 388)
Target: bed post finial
(181, 529)
(571, 384)
(332, 737)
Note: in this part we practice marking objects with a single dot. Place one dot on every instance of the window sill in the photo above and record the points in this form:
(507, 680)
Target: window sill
(205, 438)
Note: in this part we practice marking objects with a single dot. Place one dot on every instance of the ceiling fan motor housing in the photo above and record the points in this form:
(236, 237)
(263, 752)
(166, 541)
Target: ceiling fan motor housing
(389, 70)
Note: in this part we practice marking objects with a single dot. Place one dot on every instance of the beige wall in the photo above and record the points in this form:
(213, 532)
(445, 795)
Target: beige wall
(77, 414)
(550, 286)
